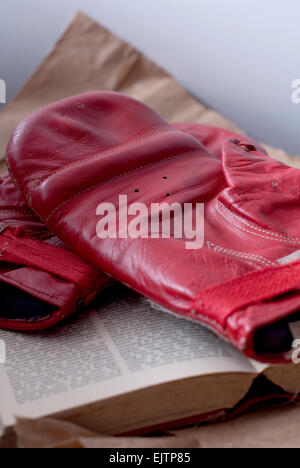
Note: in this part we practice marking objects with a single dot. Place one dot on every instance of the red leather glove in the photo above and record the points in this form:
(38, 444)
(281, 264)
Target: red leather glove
(71, 156)
(32, 298)
(41, 283)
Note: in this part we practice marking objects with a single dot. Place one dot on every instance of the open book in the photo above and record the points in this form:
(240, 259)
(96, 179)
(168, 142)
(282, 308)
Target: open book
(122, 366)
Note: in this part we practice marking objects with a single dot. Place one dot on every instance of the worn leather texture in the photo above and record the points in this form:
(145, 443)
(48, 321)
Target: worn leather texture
(41, 282)
(72, 155)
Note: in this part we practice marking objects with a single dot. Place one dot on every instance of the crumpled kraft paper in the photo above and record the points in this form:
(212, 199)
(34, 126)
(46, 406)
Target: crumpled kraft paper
(50, 433)
(263, 429)
(88, 57)
(278, 428)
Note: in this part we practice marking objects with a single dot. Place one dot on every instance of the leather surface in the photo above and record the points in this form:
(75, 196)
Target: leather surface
(74, 154)
(37, 264)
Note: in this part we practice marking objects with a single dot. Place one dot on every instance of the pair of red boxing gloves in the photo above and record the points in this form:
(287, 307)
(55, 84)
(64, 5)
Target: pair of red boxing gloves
(85, 152)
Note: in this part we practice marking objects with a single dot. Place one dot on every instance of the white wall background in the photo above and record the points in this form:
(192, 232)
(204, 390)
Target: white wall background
(239, 56)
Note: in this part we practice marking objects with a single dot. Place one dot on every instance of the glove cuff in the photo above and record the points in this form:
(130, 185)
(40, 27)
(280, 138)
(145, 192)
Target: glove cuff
(47, 273)
(240, 307)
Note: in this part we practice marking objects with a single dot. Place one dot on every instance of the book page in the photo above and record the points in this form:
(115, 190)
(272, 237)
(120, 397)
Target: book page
(119, 345)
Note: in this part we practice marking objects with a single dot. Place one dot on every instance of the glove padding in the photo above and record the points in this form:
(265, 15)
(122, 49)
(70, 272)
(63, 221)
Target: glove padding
(243, 283)
(41, 282)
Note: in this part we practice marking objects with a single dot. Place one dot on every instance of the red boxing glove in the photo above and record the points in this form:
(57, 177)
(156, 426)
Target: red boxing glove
(75, 156)
(41, 282)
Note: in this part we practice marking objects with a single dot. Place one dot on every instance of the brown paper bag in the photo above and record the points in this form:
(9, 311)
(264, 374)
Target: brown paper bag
(50, 433)
(263, 429)
(87, 57)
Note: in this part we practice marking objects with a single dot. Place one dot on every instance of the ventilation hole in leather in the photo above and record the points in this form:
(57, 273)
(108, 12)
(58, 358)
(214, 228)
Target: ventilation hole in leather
(165, 177)
(168, 194)
(247, 148)
(136, 191)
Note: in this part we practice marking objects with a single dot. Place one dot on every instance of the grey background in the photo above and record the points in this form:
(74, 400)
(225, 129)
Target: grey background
(238, 56)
